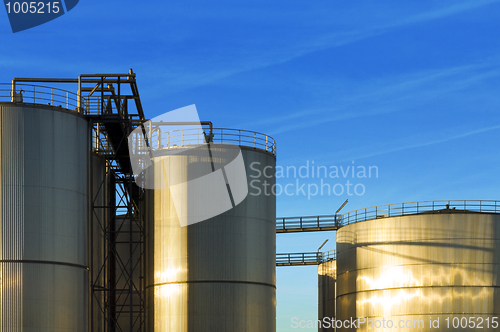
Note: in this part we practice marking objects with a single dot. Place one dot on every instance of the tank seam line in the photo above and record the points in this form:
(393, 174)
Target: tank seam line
(31, 261)
(417, 287)
(212, 281)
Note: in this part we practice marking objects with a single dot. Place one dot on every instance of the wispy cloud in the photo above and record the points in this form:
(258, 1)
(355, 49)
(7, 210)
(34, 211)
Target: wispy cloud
(427, 143)
(386, 95)
(262, 53)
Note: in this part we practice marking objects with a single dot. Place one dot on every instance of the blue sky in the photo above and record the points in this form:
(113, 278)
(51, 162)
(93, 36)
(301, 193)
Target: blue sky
(409, 87)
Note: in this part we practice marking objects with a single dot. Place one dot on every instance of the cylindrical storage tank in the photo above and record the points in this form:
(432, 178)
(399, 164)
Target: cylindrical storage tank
(435, 271)
(327, 277)
(43, 223)
(212, 256)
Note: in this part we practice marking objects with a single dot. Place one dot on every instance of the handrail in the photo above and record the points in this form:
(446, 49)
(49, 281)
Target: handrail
(333, 222)
(329, 255)
(409, 208)
(38, 94)
(193, 136)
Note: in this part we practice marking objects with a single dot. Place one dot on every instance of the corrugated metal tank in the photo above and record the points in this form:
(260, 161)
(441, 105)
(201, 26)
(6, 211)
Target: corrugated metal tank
(420, 268)
(327, 276)
(217, 274)
(43, 225)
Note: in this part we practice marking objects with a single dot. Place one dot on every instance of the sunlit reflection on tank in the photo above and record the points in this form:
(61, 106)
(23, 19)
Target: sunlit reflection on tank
(167, 275)
(391, 277)
(412, 276)
(167, 291)
(389, 300)
(406, 301)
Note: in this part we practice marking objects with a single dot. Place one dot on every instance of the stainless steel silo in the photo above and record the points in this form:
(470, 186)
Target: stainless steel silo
(433, 271)
(216, 274)
(43, 223)
(327, 276)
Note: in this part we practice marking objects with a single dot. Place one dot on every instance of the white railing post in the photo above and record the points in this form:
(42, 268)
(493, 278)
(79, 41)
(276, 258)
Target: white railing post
(150, 135)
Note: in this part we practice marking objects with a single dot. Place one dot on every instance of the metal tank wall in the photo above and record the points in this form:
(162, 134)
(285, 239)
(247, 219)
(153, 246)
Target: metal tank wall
(217, 274)
(327, 276)
(419, 268)
(43, 219)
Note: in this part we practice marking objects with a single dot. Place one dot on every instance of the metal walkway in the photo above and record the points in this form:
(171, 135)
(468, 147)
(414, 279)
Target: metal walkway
(305, 258)
(307, 224)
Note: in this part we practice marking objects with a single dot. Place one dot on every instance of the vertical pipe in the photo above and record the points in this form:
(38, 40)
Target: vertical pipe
(150, 135)
(112, 263)
(13, 93)
(102, 95)
(119, 96)
(131, 252)
(158, 139)
(96, 138)
(90, 227)
(79, 95)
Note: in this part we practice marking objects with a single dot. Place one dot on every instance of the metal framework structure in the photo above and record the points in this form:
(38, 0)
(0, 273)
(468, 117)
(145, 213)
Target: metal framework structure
(112, 105)
(118, 285)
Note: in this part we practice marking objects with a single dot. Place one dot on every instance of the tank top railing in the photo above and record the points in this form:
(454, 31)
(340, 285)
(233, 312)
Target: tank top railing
(333, 222)
(193, 136)
(38, 94)
(408, 208)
